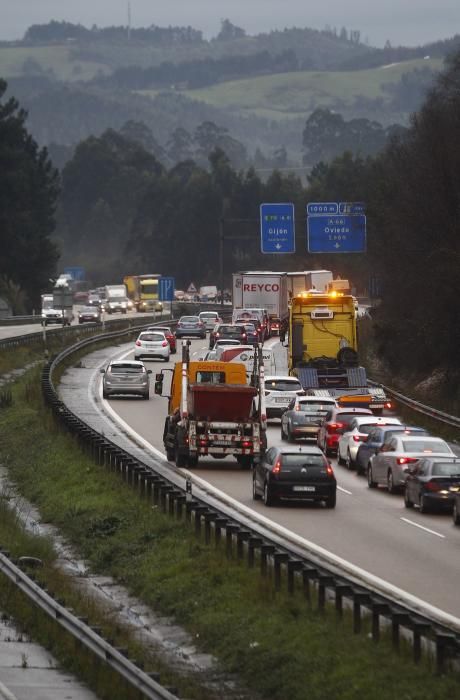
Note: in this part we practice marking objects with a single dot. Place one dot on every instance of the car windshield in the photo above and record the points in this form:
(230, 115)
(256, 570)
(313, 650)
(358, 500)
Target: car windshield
(446, 469)
(88, 310)
(126, 368)
(210, 377)
(249, 327)
(282, 385)
(189, 319)
(302, 460)
(366, 429)
(208, 314)
(425, 446)
(346, 418)
(313, 408)
(151, 336)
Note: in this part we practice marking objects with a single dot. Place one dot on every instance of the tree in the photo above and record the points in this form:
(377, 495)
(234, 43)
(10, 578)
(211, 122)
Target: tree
(180, 145)
(229, 31)
(28, 193)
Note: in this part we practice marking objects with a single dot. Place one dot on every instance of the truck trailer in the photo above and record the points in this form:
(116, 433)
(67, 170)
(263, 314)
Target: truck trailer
(262, 290)
(307, 280)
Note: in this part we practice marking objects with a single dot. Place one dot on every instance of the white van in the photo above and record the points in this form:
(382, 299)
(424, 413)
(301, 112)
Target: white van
(245, 355)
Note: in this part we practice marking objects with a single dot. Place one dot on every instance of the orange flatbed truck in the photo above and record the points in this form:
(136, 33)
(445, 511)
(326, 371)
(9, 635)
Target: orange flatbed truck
(211, 411)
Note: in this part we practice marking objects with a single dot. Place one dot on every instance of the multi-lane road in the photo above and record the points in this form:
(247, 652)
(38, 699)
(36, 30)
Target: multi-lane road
(369, 528)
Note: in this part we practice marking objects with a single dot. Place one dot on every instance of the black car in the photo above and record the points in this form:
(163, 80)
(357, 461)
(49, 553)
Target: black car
(190, 326)
(375, 439)
(227, 331)
(294, 474)
(432, 483)
(252, 336)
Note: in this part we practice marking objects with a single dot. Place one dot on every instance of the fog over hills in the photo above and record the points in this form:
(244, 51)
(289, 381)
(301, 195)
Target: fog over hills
(399, 21)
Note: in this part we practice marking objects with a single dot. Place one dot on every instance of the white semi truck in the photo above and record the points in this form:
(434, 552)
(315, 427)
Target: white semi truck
(262, 290)
(306, 280)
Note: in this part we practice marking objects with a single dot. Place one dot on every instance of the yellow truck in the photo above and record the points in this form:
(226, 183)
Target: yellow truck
(212, 410)
(323, 350)
(143, 291)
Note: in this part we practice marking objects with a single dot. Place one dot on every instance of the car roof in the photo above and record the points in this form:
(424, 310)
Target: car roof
(229, 341)
(150, 332)
(447, 458)
(134, 363)
(320, 399)
(304, 450)
(157, 328)
(281, 377)
(417, 438)
(354, 409)
(377, 420)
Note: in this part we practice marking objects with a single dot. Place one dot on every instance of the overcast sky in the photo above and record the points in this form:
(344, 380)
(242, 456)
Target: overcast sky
(407, 22)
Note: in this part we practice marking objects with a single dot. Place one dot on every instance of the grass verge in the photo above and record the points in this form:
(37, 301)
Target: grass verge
(277, 644)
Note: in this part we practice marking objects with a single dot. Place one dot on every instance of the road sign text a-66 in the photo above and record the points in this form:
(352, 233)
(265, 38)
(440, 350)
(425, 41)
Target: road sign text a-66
(277, 228)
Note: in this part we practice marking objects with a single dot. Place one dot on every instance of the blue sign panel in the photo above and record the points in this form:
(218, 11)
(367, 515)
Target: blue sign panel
(320, 208)
(277, 230)
(166, 286)
(336, 234)
(76, 273)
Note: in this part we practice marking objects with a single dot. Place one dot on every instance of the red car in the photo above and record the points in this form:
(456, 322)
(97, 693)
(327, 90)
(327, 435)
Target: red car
(336, 423)
(170, 337)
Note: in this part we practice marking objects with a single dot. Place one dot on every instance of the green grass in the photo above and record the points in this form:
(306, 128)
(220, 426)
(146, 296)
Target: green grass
(276, 644)
(284, 95)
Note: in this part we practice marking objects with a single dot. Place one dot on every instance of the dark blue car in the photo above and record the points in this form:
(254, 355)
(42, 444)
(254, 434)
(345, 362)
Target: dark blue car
(375, 440)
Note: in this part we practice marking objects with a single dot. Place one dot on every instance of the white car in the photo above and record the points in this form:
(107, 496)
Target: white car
(150, 345)
(209, 318)
(219, 347)
(279, 392)
(357, 433)
(389, 466)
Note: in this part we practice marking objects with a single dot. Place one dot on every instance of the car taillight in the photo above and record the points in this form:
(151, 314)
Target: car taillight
(246, 443)
(164, 343)
(179, 324)
(333, 427)
(388, 404)
(433, 486)
(243, 335)
(277, 468)
(406, 460)
(360, 438)
(138, 343)
(217, 335)
(330, 471)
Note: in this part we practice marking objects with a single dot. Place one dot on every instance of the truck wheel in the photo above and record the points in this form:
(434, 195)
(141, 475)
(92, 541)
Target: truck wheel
(180, 459)
(245, 461)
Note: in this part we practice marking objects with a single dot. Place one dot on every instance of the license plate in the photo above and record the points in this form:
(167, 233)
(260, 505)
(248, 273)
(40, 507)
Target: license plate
(220, 443)
(281, 400)
(304, 488)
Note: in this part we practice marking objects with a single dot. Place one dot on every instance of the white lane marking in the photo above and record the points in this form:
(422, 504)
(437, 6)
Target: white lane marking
(349, 493)
(422, 527)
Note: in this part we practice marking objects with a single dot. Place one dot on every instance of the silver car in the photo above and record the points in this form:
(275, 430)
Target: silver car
(125, 377)
(152, 344)
(394, 458)
(209, 318)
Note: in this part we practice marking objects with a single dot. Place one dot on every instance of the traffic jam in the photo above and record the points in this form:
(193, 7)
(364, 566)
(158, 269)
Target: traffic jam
(274, 382)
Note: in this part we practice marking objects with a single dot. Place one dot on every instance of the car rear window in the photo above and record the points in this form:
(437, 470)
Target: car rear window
(314, 406)
(208, 314)
(151, 336)
(303, 460)
(282, 385)
(125, 368)
(346, 418)
(446, 469)
(425, 446)
(366, 429)
(190, 319)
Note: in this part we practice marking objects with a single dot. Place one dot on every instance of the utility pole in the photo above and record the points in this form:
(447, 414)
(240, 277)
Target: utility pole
(221, 260)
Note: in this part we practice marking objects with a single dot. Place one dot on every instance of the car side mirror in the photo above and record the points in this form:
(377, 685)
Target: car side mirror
(159, 384)
(149, 371)
(102, 371)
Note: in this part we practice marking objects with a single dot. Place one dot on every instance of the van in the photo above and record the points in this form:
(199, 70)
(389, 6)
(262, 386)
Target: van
(245, 355)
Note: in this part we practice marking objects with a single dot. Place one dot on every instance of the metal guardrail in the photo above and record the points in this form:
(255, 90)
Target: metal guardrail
(419, 407)
(89, 637)
(277, 550)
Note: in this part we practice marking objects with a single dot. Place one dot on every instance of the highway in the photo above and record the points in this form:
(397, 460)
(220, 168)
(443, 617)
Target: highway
(369, 528)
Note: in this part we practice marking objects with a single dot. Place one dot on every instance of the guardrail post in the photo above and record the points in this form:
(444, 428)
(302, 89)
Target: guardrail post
(324, 581)
(229, 531)
(308, 574)
(419, 628)
(444, 642)
(199, 511)
(278, 559)
(359, 598)
(219, 524)
(397, 619)
(378, 609)
(266, 551)
(180, 500)
(208, 519)
(293, 565)
(253, 544)
(341, 589)
(241, 537)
